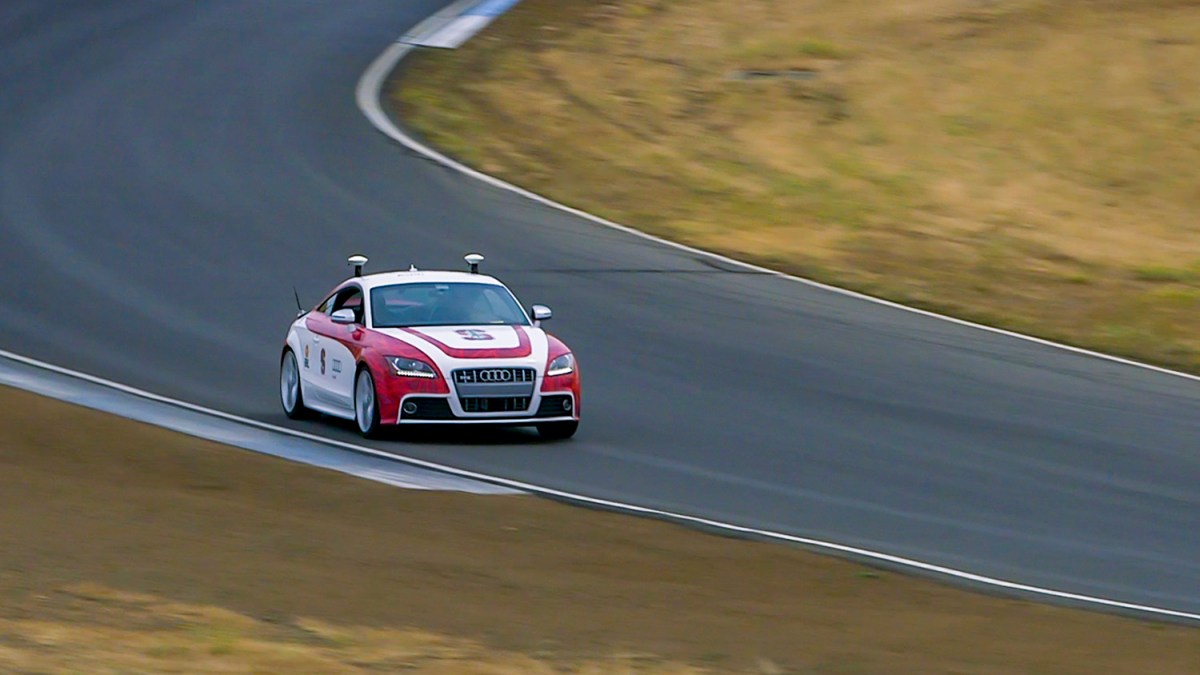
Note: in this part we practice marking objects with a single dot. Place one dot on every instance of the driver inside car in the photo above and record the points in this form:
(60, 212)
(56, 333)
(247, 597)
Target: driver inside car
(456, 306)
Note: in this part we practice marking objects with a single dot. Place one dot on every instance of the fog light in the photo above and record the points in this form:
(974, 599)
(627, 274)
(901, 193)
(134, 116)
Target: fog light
(567, 404)
(409, 408)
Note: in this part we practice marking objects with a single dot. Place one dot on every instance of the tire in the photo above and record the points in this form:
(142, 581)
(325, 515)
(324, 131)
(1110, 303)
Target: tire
(557, 431)
(366, 404)
(291, 394)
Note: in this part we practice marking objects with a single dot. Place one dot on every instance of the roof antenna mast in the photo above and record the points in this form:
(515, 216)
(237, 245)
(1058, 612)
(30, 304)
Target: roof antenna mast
(358, 261)
(473, 260)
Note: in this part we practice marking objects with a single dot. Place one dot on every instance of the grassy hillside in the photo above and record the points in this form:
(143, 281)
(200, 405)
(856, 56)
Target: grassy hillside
(1027, 163)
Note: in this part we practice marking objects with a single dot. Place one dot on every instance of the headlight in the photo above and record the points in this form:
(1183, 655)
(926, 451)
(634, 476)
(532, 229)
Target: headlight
(563, 365)
(411, 367)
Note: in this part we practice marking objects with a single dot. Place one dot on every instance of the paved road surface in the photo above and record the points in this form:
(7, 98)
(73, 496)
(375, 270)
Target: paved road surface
(169, 169)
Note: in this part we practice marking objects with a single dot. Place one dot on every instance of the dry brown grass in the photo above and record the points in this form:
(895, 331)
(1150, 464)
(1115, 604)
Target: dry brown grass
(1027, 163)
(100, 630)
(128, 548)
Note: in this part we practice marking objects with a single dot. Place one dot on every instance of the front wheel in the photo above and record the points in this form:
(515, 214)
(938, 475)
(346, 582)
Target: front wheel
(366, 404)
(289, 388)
(554, 431)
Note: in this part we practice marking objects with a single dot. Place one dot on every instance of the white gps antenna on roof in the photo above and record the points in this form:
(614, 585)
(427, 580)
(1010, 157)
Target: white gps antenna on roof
(473, 260)
(358, 261)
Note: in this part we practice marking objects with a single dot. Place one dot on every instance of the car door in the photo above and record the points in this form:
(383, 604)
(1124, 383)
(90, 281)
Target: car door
(332, 361)
(344, 348)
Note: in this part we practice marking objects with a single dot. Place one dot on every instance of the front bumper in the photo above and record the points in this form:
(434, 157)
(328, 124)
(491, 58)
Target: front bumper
(513, 411)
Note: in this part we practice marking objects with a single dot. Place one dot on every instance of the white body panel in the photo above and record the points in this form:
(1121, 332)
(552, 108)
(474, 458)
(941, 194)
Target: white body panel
(315, 388)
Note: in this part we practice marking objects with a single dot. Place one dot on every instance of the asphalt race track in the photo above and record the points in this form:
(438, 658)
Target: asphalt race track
(168, 170)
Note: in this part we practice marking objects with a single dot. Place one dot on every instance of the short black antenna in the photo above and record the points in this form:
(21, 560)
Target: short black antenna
(299, 307)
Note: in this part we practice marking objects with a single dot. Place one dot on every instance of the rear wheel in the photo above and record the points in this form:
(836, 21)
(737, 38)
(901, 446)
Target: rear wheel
(366, 404)
(557, 430)
(290, 393)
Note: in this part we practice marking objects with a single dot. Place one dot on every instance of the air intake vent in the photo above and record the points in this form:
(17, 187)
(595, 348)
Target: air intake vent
(495, 405)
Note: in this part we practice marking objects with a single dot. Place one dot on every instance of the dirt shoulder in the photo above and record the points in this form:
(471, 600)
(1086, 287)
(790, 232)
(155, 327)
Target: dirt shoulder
(1028, 164)
(97, 512)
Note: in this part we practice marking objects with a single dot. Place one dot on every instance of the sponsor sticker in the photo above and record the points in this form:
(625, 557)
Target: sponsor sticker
(306, 357)
(337, 365)
(322, 361)
(474, 334)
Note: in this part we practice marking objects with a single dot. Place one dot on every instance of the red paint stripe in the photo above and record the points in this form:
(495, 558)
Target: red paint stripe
(524, 347)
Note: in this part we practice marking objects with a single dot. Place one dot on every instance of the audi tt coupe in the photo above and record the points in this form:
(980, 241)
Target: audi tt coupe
(429, 347)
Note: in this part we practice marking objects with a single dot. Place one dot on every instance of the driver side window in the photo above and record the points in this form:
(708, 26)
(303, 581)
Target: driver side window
(348, 298)
(324, 307)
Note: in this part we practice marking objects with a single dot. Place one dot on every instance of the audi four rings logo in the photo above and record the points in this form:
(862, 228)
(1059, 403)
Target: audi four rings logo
(495, 375)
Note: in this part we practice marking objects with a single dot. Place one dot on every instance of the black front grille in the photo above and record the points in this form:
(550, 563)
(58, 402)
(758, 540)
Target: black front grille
(555, 406)
(495, 404)
(494, 375)
(427, 409)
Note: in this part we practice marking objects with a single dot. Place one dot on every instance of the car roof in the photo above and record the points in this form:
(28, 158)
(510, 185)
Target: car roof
(369, 281)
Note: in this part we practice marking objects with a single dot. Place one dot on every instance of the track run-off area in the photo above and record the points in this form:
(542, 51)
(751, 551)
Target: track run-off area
(168, 172)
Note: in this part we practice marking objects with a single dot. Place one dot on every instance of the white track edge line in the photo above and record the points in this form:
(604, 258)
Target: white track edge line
(368, 94)
(619, 506)
(369, 91)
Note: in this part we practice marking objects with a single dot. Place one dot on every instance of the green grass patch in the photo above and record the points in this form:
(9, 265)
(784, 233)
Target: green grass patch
(1166, 273)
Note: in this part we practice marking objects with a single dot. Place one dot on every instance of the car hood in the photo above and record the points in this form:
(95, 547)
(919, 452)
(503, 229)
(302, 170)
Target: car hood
(464, 341)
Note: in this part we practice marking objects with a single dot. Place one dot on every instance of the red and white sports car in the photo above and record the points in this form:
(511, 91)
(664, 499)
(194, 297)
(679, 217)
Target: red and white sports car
(421, 347)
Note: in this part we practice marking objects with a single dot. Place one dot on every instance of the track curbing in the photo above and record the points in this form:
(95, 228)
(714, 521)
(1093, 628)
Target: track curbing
(861, 554)
(368, 93)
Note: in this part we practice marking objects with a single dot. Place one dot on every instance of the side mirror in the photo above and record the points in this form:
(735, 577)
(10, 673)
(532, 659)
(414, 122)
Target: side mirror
(343, 316)
(541, 312)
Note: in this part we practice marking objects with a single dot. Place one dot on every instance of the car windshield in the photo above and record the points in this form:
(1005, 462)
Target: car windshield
(444, 304)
